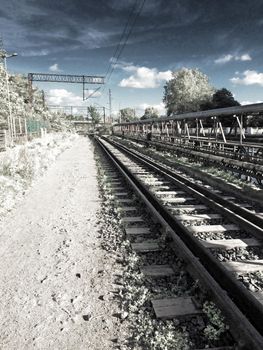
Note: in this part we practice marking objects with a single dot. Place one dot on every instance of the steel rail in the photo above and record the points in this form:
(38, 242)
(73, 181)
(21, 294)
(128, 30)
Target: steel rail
(238, 292)
(249, 163)
(250, 221)
(197, 173)
(244, 313)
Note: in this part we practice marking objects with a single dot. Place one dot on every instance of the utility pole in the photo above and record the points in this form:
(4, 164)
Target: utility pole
(10, 118)
(2, 52)
(30, 92)
(110, 105)
(43, 98)
(104, 115)
(119, 113)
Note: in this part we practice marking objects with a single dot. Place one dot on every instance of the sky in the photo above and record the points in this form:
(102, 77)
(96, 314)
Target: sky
(222, 38)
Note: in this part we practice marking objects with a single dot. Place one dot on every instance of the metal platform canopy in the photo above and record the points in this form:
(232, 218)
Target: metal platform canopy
(202, 130)
(65, 78)
(220, 112)
(180, 124)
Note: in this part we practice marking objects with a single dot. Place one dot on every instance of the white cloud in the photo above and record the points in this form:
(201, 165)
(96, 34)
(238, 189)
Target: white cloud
(54, 68)
(224, 59)
(160, 107)
(243, 103)
(143, 77)
(245, 57)
(250, 77)
(63, 97)
(229, 57)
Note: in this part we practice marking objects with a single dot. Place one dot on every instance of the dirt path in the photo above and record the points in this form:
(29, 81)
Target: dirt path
(56, 281)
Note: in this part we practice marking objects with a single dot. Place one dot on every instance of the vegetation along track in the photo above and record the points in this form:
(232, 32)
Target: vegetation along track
(208, 232)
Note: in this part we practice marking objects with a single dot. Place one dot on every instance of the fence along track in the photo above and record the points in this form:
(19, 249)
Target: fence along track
(214, 276)
(2, 140)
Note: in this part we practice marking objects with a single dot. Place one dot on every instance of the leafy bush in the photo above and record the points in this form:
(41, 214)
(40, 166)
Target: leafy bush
(216, 327)
(21, 107)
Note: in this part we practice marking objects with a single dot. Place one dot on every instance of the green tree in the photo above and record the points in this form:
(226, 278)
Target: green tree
(150, 112)
(255, 121)
(127, 114)
(221, 99)
(36, 113)
(187, 91)
(94, 114)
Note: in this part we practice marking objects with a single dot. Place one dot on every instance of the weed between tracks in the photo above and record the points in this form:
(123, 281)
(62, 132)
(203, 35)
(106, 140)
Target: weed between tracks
(139, 328)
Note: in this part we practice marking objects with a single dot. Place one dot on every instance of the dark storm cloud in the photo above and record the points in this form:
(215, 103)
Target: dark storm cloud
(3, 14)
(203, 30)
(198, 20)
(44, 23)
(53, 41)
(63, 24)
(76, 17)
(178, 27)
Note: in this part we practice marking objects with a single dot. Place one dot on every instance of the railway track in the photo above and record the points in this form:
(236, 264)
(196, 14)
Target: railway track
(241, 164)
(236, 152)
(203, 135)
(196, 172)
(201, 224)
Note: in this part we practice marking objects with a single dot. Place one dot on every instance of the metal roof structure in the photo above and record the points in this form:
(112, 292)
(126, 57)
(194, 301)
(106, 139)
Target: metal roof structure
(220, 112)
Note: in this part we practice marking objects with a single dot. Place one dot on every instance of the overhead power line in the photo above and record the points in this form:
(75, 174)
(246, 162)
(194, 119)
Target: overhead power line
(118, 46)
(126, 40)
(128, 28)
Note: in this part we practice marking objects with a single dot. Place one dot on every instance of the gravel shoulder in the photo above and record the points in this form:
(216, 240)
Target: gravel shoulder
(56, 280)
